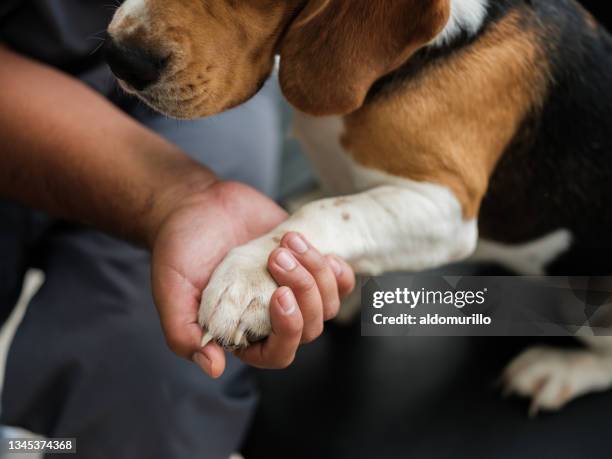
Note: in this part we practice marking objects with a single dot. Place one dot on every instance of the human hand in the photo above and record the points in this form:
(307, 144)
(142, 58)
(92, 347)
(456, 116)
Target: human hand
(194, 237)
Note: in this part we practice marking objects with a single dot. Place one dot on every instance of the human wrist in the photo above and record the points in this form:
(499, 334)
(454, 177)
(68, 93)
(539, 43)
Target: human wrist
(186, 184)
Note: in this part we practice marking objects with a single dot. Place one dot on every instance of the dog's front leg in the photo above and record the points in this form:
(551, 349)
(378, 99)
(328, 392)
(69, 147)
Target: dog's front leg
(410, 227)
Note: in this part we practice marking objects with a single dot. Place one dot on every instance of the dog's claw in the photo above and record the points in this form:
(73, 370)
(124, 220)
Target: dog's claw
(238, 337)
(206, 338)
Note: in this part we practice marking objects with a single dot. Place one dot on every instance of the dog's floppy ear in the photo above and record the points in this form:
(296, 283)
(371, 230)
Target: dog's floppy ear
(336, 49)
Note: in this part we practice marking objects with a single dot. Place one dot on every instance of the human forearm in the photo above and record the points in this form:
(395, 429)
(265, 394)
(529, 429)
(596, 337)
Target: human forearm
(66, 150)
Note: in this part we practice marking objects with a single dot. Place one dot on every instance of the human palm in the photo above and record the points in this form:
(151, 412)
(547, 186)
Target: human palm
(191, 242)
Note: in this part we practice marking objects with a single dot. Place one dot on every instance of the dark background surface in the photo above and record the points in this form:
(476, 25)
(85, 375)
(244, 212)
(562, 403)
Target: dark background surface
(601, 9)
(348, 396)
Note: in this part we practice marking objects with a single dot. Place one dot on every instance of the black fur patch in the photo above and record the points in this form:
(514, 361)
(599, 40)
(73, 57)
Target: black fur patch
(558, 171)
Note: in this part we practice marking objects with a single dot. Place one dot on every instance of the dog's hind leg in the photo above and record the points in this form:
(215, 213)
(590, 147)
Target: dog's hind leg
(552, 377)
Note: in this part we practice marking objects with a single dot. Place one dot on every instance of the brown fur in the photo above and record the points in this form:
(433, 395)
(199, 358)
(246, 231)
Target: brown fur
(332, 51)
(451, 123)
(447, 125)
(331, 60)
(220, 50)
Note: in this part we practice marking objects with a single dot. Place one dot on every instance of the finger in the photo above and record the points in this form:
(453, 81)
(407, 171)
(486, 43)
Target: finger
(176, 300)
(286, 270)
(211, 359)
(345, 276)
(278, 350)
(319, 268)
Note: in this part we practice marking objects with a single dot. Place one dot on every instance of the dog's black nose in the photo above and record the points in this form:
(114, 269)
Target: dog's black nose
(137, 67)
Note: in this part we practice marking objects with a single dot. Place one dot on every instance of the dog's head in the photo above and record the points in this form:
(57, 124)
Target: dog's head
(192, 58)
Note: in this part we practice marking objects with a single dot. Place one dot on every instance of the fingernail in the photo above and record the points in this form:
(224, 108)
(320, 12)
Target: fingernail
(203, 361)
(297, 244)
(335, 266)
(287, 302)
(286, 261)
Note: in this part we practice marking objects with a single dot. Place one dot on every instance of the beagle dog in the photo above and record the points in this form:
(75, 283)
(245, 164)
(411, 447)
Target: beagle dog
(437, 121)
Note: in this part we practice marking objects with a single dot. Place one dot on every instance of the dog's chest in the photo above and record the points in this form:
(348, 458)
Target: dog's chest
(339, 174)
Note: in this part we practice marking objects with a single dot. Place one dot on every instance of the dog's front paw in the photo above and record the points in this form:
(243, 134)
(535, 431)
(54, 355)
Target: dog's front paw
(235, 305)
(553, 377)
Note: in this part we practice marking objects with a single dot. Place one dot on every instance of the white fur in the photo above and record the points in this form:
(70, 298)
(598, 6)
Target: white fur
(552, 377)
(396, 224)
(530, 258)
(467, 16)
(133, 9)
(407, 204)
(319, 137)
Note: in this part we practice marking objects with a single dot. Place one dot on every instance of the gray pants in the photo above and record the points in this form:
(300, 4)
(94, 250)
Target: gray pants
(89, 359)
